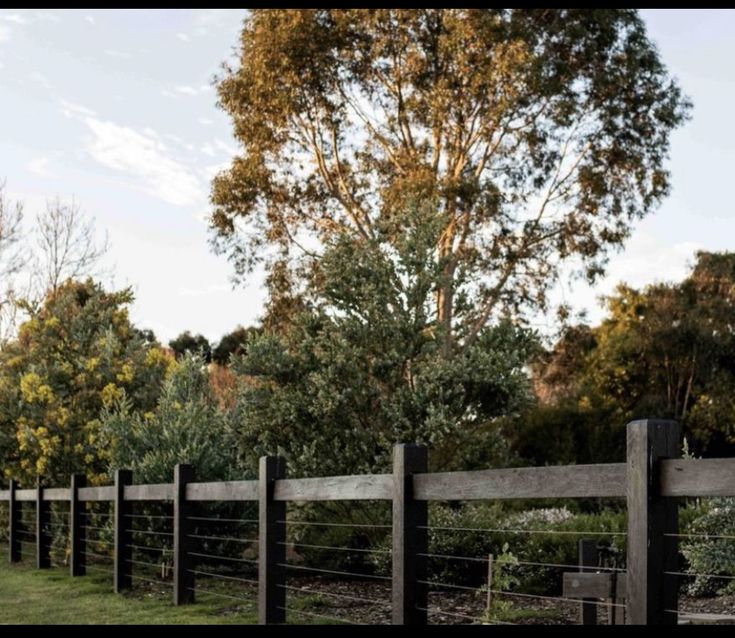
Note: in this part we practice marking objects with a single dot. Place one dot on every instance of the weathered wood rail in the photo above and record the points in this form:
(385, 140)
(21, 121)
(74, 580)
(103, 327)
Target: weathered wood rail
(651, 480)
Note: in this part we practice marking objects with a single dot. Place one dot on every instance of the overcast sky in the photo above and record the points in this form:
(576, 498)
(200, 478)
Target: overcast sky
(116, 108)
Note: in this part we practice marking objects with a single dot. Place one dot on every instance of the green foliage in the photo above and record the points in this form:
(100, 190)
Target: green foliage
(666, 351)
(502, 580)
(233, 343)
(476, 530)
(186, 426)
(75, 355)
(709, 555)
(186, 343)
(363, 368)
(541, 135)
(566, 433)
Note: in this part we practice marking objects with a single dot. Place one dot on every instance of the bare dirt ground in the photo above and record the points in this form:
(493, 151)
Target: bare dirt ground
(368, 602)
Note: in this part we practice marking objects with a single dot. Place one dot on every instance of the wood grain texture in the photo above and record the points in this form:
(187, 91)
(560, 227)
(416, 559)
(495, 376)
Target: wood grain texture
(698, 477)
(152, 492)
(14, 524)
(564, 481)
(336, 488)
(123, 552)
(271, 543)
(77, 529)
(587, 559)
(43, 536)
(587, 585)
(650, 516)
(223, 491)
(103, 493)
(410, 537)
(56, 494)
(183, 576)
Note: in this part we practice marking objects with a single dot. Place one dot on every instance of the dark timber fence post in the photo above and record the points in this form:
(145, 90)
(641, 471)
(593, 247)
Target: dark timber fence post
(43, 539)
(410, 537)
(649, 591)
(123, 551)
(77, 531)
(587, 559)
(183, 576)
(271, 543)
(14, 523)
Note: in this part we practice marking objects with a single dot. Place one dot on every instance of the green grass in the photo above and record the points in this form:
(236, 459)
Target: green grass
(51, 596)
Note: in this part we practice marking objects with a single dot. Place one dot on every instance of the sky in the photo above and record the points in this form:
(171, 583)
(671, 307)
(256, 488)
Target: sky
(116, 109)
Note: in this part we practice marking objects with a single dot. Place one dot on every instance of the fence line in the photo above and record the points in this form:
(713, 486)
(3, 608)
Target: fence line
(650, 480)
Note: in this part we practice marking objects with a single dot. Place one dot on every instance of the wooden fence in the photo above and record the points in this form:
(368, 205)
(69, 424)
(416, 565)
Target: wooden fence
(651, 480)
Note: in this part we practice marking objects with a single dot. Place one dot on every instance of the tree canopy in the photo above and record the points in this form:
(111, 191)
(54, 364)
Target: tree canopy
(187, 343)
(360, 368)
(665, 351)
(539, 134)
(232, 343)
(76, 354)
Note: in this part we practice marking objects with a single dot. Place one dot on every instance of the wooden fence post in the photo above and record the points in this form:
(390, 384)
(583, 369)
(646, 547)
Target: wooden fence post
(587, 558)
(183, 576)
(410, 538)
(651, 518)
(77, 529)
(14, 523)
(43, 538)
(271, 543)
(123, 551)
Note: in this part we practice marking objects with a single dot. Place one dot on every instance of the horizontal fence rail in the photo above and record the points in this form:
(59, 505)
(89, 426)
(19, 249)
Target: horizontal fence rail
(650, 480)
(678, 478)
(566, 481)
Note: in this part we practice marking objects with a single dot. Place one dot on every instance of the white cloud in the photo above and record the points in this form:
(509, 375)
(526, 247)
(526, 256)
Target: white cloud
(205, 121)
(184, 291)
(186, 90)
(16, 18)
(183, 37)
(225, 148)
(123, 55)
(2, 65)
(89, 19)
(39, 166)
(143, 157)
(47, 16)
(4, 33)
(70, 109)
(210, 172)
(205, 19)
(208, 149)
(645, 260)
(41, 79)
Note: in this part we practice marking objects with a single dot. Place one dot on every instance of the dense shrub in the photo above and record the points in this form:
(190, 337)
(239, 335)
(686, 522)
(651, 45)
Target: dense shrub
(706, 554)
(475, 530)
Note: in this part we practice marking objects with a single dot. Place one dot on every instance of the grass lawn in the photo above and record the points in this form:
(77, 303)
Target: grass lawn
(51, 596)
